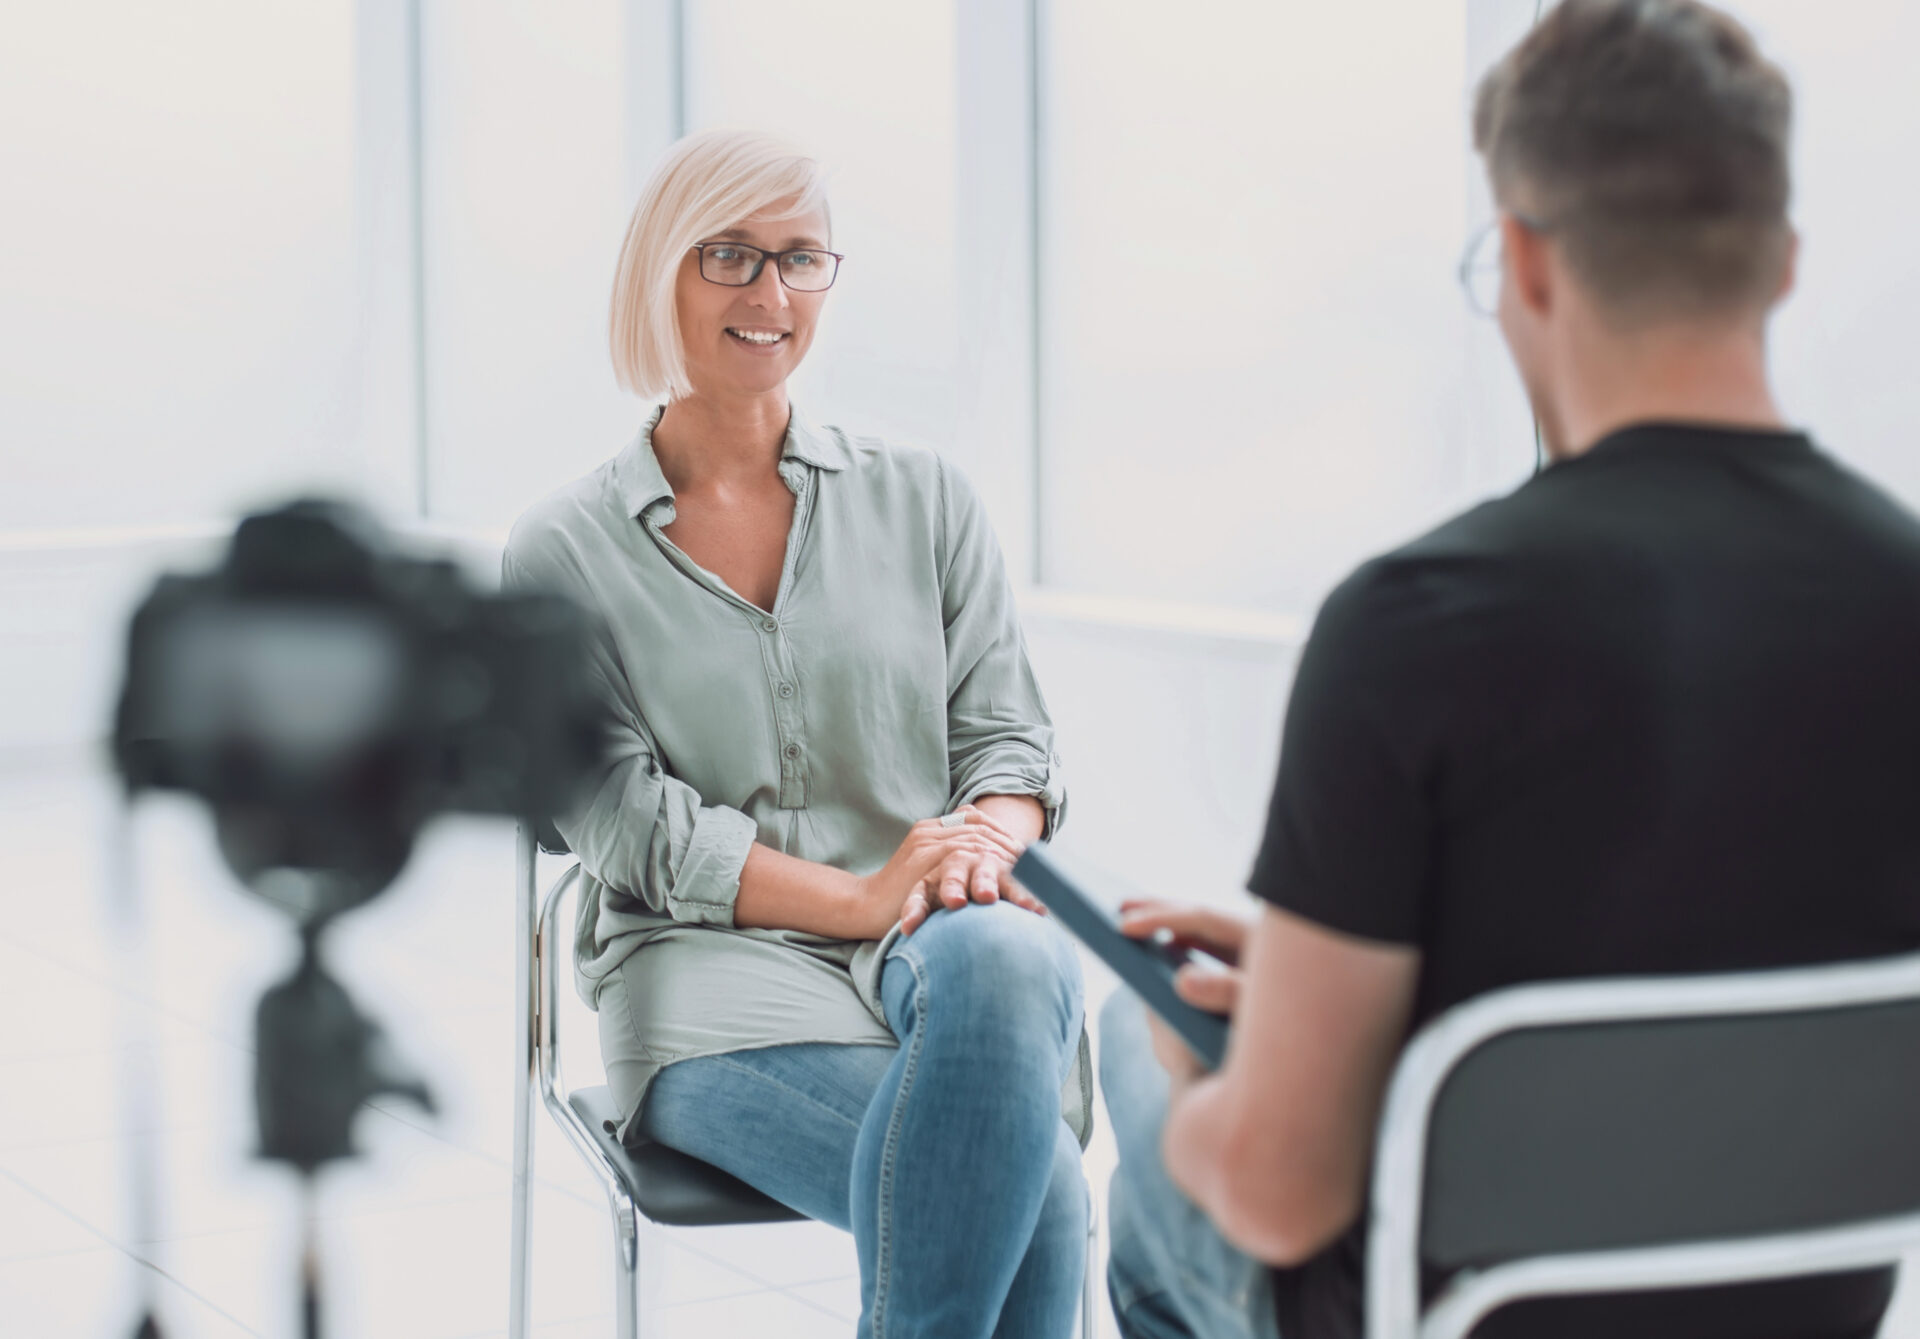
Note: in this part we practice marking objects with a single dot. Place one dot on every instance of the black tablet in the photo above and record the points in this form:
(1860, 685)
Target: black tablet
(1147, 966)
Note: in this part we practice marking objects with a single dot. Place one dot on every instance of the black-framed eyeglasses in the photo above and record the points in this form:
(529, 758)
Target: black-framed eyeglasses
(804, 269)
(1481, 263)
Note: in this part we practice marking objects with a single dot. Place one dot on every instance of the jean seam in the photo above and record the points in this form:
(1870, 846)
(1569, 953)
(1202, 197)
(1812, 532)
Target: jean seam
(883, 1255)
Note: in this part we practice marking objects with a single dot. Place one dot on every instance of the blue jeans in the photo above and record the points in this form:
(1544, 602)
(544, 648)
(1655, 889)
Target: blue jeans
(946, 1157)
(1170, 1272)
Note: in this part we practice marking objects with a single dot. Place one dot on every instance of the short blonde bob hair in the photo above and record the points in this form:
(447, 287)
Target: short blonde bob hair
(708, 182)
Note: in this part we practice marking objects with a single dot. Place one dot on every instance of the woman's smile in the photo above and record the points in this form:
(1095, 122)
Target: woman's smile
(758, 338)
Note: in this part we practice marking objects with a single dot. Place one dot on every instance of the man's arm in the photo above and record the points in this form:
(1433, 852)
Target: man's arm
(1276, 1148)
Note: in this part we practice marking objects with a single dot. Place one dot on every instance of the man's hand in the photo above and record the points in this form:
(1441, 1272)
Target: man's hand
(1219, 933)
(977, 874)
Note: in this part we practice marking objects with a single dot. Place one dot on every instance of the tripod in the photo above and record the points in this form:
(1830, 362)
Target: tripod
(318, 1059)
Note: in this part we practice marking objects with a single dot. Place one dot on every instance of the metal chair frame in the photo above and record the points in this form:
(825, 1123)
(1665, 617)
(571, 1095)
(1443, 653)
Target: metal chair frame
(537, 1062)
(1393, 1264)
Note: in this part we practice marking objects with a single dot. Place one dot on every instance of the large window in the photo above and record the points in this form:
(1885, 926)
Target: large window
(525, 141)
(1209, 352)
(869, 89)
(1253, 346)
(182, 280)
(1255, 368)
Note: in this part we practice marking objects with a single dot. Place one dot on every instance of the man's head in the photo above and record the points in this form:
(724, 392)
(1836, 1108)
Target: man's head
(1638, 152)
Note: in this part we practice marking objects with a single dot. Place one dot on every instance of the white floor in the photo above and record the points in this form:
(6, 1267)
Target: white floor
(414, 1233)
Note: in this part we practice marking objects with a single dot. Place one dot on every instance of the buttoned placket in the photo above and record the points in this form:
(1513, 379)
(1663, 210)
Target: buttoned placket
(776, 652)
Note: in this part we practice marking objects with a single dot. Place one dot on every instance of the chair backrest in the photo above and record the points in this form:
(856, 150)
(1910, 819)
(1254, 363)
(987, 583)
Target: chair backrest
(1557, 1120)
(549, 838)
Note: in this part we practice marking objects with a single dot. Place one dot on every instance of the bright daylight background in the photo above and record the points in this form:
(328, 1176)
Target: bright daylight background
(1173, 284)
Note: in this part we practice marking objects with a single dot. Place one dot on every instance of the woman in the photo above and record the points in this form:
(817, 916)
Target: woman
(810, 965)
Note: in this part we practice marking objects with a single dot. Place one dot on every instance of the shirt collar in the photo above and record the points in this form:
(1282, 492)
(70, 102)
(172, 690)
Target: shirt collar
(640, 482)
(816, 446)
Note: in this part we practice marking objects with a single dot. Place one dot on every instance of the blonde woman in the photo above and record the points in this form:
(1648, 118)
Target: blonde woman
(810, 965)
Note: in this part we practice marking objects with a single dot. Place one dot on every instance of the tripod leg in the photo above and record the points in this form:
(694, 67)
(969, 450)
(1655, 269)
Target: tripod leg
(139, 1080)
(309, 1259)
(526, 1052)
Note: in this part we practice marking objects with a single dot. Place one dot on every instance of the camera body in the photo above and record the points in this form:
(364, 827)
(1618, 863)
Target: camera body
(326, 694)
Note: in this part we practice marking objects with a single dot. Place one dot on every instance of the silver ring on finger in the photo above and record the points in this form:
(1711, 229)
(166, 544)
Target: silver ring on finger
(953, 820)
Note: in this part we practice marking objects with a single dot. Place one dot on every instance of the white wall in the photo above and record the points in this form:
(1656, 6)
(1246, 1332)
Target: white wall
(1847, 345)
(1169, 737)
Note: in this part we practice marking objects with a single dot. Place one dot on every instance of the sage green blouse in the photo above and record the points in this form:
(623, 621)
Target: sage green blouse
(888, 684)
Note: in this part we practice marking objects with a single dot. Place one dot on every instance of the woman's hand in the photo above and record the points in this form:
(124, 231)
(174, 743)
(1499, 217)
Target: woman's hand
(963, 875)
(886, 896)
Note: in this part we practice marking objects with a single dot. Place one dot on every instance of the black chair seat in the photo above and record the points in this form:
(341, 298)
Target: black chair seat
(669, 1186)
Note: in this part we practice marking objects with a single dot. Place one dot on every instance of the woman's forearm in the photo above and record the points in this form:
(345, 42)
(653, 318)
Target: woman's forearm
(1020, 815)
(783, 892)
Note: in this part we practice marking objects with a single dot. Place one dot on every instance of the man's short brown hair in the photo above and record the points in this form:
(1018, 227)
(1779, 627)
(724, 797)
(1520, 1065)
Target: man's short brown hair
(1650, 139)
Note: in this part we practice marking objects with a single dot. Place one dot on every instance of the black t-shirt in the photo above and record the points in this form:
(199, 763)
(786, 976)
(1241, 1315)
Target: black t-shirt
(1658, 710)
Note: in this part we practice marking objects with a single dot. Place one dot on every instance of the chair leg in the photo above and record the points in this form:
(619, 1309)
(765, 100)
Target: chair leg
(1089, 1287)
(626, 1264)
(519, 1301)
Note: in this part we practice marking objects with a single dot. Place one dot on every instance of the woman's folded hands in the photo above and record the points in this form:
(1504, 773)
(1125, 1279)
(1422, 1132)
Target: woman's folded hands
(966, 857)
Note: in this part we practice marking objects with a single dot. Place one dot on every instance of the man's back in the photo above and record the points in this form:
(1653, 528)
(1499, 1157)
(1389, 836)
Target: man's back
(1657, 711)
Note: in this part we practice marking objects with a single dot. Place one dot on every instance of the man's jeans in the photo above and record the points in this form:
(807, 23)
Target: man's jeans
(946, 1157)
(1170, 1272)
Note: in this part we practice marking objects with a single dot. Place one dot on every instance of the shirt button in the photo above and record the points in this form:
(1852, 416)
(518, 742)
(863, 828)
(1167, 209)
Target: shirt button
(786, 690)
(792, 750)
(768, 625)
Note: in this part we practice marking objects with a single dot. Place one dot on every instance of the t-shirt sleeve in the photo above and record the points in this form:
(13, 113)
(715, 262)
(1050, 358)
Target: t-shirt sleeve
(1349, 827)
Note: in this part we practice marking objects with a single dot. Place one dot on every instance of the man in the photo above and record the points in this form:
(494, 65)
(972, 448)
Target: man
(1658, 710)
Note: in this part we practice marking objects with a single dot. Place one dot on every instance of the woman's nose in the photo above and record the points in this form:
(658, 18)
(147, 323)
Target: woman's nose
(768, 290)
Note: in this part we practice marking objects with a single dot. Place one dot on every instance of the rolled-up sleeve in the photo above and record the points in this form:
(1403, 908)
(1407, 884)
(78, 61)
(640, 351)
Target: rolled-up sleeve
(999, 735)
(636, 829)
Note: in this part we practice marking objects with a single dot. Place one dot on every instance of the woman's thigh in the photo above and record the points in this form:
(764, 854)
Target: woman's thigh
(783, 1119)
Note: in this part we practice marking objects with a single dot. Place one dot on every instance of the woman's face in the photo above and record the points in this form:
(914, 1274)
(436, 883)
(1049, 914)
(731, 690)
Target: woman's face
(748, 340)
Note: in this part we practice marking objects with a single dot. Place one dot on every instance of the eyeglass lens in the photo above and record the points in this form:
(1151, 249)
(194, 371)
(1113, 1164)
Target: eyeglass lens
(803, 271)
(1480, 272)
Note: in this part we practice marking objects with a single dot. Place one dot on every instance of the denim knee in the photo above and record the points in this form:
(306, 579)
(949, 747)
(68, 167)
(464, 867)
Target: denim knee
(1000, 965)
(1067, 1208)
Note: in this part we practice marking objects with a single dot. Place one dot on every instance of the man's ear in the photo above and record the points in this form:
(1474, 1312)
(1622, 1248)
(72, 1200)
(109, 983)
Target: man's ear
(1790, 268)
(1529, 269)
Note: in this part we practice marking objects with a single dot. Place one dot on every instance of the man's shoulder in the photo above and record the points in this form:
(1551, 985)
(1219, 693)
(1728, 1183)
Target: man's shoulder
(1483, 577)
(1425, 573)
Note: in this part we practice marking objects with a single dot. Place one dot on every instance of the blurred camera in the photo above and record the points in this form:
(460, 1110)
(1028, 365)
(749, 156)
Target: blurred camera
(326, 694)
